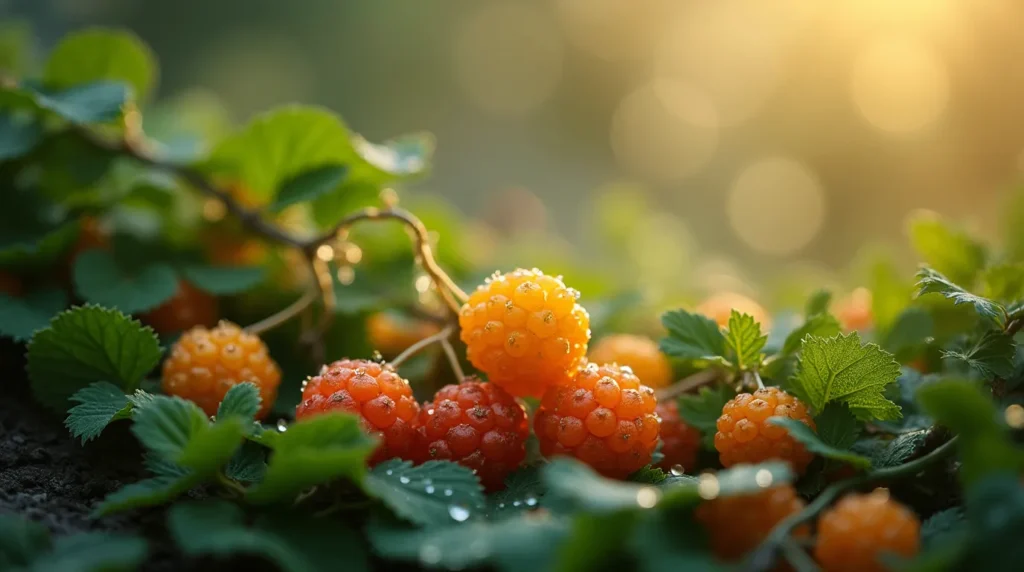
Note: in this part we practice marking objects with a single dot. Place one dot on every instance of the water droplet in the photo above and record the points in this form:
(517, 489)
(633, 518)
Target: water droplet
(403, 479)
(501, 505)
(429, 489)
(377, 356)
(458, 513)
(448, 492)
(647, 497)
(531, 501)
(430, 411)
(430, 554)
(677, 471)
(763, 478)
(516, 503)
(282, 425)
(428, 482)
(389, 472)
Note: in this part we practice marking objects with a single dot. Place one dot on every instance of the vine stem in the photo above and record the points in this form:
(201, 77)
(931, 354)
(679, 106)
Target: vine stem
(453, 359)
(275, 320)
(688, 384)
(764, 557)
(439, 337)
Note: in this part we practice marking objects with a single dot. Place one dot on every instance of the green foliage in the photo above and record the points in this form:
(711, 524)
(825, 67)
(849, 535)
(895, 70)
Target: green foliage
(99, 404)
(101, 280)
(224, 280)
(841, 369)
(19, 134)
(898, 450)
(837, 430)
(948, 250)
(991, 356)
(309, 185)
(909, 334)
(692, 337)
(821, 325)
(22, 317)
(435, 493)
(524, 490)
(95, 102)
(294, 542)
(101, 54)
(179, 432)
(26, 546)
(931, 282)
(311, 452)
(88, 344)
(701, 411)
(242, 400)
(744, 340)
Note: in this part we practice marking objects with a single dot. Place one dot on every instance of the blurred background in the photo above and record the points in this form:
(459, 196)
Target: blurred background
(687, 146)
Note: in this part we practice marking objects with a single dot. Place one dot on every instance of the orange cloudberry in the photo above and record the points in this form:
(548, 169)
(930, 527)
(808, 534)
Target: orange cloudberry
(860, 528)
(745, 436)
(738, 524)
(380, 397)
(680, 442)
(188, 308)
(719, 307)
(526, 331)
(854, 311)
(390, 334)
(477, 425)
(205, 363)
(638, 353)
(604, 417)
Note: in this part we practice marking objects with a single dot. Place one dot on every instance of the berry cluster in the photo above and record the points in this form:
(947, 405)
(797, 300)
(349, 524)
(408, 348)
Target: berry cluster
(745, 436)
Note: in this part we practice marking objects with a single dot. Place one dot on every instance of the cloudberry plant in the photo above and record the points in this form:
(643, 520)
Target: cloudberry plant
(477, 425)
(380, 397)
(745, 436)
(526, 331)
(719, 307)
(737, 524)
(205, 363)
(680, 442)
(860, 528)
(390, 334)
(638, 353)
(604, 417)
(188, 308)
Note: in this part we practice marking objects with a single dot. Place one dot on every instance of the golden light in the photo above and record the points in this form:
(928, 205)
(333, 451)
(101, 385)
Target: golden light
(1015, 416)
(666, 130)
(776, 206)
(325, 252)
(614, 30)
(899, 85)
(508, 58)
(661, 248)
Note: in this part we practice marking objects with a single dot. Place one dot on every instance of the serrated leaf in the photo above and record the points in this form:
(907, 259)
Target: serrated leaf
(96, 102)
(92, 552)
(311, 452)
(148, 492)
(946, 249)
(248, 465)
(99, 404)
(701, 411)
(931, 282)
(102, 54)
(1005, 282)
(744, 340)
(21, 541)
(526, 543)
(818, 303)
(309, 185)
(815, 444)
(21, 317)
(223, 281)
(649, 475)
(88, 344)
(938, 527)
(523, 491)
(19, 134)
(991, 356)
(435, 493)
(213, 446)
(296, 543)
(821, 325)
(242, 400)
(897, 451)
(99, 279)
(841, 369)
(837, 427)
(692, 336)
(178, 431)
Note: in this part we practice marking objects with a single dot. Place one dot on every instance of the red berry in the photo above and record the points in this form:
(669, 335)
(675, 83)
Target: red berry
(205, 364)
(190, 307)
(604, 417)
(525, 330)
(860, 528)
(745, 436)
(737, 524)
(375, 392)
(680, 442)
(638, 353)
(477, 425)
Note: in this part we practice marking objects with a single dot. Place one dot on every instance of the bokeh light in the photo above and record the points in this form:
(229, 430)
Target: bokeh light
(776, 206)
(508, 58)
(614, 30)
(899, 85)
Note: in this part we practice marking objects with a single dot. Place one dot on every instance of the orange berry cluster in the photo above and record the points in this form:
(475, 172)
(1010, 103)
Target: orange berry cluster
(745, 436)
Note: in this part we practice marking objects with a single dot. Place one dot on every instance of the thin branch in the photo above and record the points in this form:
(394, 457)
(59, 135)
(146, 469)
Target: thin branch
(688, 384)
(275, 320)
(453, 359)
(415, 348)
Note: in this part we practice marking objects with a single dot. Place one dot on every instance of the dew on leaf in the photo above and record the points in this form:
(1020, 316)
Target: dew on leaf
(429, 489)
(430, 554)
(677, 470)
(458, 513)
(403, 479)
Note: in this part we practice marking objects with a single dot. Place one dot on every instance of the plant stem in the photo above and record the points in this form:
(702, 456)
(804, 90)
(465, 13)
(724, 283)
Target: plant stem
(231, 485)
(275, 320)
(764, 556)
(688, 384)
(412, 350)
(453, 359)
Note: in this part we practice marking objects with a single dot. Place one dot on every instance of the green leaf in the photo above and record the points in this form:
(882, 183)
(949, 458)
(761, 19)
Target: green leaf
(1005, 282)
(573, 482)
(314, 451)
(941, 526)
(93, 552)
(223, 281)
(897, 451)
(523, 491)
(995, 521)
(99, 405)
(97, 102)
(19, 134)
(985, 447)
(701, 411)
(744, 339)
(946, 249)
(841, 369)
(102, 54)
(815, 444)
(818, 303)
(22, 317)
(403, 157)
(435, 493)
(178, 431)
(692, 336)
(837, 427)
(99, 279)
(931, 282)
(214, 445)
(737, 480)
(891, 292)
(296, 543)
(909, 333)
(242, 400)
(664, 541)
(649, 475)
(21, 541)
(526, 543)
(88, 344)
(821, 325)
(248, 465)
(148, 492)
(991, 356)
(309, 185)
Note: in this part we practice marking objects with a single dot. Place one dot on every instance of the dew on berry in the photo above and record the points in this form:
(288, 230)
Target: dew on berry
(282, 425)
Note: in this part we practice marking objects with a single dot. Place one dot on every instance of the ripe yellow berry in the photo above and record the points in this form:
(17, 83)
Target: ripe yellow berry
(745, 436)
(526, 331)
(738, 524)
(719, 307)
(854, 312)
(638, 353)
(859, 529)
